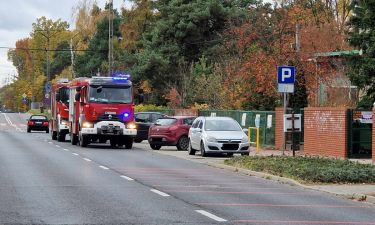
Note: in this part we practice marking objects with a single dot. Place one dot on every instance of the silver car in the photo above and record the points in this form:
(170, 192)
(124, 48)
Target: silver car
(217, 135)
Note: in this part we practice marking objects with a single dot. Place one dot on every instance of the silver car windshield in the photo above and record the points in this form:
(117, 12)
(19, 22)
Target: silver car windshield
(222, 125)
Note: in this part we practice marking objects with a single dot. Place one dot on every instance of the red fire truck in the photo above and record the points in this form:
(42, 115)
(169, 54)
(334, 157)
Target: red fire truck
(59, 110)
(101, 109)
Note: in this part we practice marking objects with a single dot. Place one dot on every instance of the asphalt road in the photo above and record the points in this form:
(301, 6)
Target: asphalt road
(48, 182)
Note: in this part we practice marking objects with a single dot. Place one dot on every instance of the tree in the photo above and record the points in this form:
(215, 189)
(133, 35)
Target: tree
(94, 59)
(61, 59)
(362, 36)
(182, 33)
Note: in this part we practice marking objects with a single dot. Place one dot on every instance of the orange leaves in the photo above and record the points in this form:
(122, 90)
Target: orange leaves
(174, 98)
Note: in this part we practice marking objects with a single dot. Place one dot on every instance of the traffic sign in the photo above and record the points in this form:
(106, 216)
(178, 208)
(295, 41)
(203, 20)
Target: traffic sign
(285, 78)
(48, 87)
(46, 95)
(286, 74)
(24, 95)
(24, 100)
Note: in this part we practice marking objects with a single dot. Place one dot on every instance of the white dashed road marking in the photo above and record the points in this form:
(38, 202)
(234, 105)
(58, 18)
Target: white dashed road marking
(160, 193)
(210, 215)
(104, 168)
(57, 146)
(86, 159)
(66, 149)
(75, 154)
(127, 178)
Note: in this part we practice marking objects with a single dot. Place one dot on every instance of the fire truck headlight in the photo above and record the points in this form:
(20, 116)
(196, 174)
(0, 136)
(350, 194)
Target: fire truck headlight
(131, 126)
(87, 125)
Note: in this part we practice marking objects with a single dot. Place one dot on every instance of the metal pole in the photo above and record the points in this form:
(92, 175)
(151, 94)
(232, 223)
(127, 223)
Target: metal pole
(284, 141)
(72, 57)
(48, 75)
(110, 36)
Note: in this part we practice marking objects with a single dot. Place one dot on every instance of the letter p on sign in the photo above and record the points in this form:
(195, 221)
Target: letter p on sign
(285, 74)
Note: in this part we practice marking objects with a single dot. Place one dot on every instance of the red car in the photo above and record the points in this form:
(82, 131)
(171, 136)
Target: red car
(170, 131)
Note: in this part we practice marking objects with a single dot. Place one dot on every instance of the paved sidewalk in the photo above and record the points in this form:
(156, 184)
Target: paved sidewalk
(359, 192)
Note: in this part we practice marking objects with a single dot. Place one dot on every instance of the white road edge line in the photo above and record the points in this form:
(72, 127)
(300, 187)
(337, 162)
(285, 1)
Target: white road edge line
(75, 154)
(160, 193)
(127, 178)
(104, 168)
(86, 159)
(211, 216)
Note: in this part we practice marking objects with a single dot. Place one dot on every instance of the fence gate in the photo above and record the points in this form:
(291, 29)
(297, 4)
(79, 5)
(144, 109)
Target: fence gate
(359, 133)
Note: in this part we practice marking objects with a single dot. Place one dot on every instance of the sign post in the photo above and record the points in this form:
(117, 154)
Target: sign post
(285, 83)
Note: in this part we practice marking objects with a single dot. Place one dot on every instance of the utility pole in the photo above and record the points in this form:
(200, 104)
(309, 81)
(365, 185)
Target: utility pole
(110, 39)
(48, 36)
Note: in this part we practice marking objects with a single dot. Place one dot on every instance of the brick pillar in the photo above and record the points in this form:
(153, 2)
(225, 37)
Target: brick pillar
(325, 132)
(279, 128)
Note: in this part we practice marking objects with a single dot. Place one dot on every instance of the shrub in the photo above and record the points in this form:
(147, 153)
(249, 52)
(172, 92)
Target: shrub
(308, 169)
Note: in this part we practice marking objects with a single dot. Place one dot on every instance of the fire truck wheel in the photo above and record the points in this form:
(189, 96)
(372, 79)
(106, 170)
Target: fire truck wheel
(60, 137)
(83, 140)
(54, 135)
(128, 143)
(73, 139)
(113, 142)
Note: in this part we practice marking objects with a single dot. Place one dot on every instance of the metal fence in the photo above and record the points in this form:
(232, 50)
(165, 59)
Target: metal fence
(245, 119)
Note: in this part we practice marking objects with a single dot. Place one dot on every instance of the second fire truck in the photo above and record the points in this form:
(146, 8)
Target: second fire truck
(59, 110)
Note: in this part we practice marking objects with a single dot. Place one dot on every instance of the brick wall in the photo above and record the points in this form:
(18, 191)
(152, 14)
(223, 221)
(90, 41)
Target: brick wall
(325, 132)
(279, 128)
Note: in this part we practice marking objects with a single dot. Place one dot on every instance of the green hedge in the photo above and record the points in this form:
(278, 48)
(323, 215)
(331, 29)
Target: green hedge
(308, 169)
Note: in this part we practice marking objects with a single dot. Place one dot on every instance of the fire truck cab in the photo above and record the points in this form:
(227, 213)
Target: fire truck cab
(102, 109)
(59, 110)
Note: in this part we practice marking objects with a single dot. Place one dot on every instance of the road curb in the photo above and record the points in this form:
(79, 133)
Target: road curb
(354, 196)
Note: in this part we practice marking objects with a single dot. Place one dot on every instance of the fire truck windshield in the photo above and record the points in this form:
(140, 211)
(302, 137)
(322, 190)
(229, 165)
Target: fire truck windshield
(62, 95)
(110, 94)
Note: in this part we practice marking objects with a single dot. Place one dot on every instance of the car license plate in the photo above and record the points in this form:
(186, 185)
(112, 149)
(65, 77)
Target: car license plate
(110, 113)
(38, 122)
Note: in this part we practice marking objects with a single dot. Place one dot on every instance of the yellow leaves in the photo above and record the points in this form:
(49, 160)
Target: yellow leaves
(200, 106)
(66, 73)
(146, 86)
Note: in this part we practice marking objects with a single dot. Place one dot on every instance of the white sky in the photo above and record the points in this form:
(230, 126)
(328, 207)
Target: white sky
(17, 17)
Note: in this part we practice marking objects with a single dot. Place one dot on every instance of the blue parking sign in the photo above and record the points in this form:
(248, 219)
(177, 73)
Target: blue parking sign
(286, 74)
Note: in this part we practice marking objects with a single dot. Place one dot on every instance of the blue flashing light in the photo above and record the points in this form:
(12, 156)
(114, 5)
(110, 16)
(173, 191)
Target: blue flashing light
(125, 116)
(121, 77)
